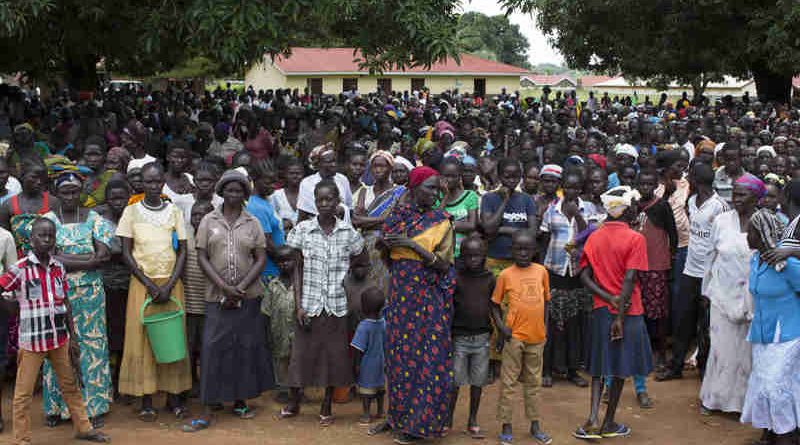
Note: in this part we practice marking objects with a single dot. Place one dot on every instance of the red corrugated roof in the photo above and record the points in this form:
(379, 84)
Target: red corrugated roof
(588, 81)
(343, 60)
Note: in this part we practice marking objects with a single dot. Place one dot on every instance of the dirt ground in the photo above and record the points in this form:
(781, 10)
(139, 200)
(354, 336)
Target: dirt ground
(673, 420)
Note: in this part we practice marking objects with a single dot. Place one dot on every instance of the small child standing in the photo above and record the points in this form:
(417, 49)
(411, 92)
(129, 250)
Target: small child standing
(195, 284)
(279, 306)
(368, 341)
(355, 283)
(472, 329)
(524, 289)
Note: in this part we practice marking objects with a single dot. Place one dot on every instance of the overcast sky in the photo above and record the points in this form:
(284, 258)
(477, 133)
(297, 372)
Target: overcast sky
(540, 51)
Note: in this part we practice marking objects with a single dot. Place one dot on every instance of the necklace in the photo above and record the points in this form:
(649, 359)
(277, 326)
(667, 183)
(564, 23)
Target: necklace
(153, 208)
(77, 214)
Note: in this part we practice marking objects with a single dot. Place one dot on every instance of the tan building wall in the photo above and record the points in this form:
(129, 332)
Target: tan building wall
(264, 76)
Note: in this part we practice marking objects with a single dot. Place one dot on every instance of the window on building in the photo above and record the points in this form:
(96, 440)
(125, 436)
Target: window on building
(349, 84)
(479, 88)
(417, 84)
(385, 85)
(314, 85)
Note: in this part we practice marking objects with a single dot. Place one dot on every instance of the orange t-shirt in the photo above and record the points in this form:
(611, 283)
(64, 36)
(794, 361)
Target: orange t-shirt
(525, 292)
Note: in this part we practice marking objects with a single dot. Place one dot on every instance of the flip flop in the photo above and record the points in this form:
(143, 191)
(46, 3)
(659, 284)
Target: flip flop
(326, 421)
(475, 432)
(506, 439)
(94, 436)
(285, 413)
(244, 412)
(581, 433)
(148, 415)
(622, 431)
(196, 425)
(380, 428)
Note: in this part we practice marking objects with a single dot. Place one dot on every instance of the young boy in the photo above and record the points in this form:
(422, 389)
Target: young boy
(195, 284)
(278, 305)
(524, 289)
(368, 342)
(471, 329)
(39, 286)
(355, 283)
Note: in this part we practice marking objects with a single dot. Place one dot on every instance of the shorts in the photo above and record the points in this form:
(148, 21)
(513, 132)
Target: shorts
(363, 391)
(471, 359)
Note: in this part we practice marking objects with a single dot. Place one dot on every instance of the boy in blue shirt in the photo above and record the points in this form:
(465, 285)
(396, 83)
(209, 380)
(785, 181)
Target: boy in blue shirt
(368, 342)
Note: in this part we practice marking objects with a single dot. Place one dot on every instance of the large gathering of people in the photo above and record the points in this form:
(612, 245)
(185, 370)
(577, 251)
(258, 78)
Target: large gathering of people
(395, 247)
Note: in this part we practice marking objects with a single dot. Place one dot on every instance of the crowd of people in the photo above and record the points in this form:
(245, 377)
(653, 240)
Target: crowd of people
(397, 246)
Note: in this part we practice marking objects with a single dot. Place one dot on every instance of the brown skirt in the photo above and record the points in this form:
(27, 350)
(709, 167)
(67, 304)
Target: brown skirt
(321, 355)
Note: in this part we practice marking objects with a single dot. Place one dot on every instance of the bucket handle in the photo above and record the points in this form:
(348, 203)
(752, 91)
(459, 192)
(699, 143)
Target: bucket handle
(149, 300)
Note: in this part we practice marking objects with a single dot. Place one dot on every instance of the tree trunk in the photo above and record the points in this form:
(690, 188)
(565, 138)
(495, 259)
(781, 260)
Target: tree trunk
(772, 86)
(81, 72)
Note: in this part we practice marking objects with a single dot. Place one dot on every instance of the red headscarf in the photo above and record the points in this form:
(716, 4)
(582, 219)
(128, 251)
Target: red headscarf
(419, 175)
(600, 160)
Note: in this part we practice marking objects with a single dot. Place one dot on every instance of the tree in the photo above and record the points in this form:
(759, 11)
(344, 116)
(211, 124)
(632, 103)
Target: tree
(494, 38)
(689, 41)
(143, 37)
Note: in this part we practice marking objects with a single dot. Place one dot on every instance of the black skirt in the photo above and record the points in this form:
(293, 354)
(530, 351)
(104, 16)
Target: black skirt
(235, 362)
(622, 358)
(321, 354)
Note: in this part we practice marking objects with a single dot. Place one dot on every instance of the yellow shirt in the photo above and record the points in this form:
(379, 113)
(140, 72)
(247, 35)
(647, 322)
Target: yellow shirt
(151, 232)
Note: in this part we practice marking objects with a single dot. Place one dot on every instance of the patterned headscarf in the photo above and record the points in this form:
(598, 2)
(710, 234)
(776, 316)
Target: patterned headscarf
(383, 154)
(618, 199)
(753, 184)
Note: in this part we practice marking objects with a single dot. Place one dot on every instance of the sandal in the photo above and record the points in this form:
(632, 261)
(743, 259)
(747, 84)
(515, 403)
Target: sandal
(244, 412)
(542, 437)
(405, 439)
(475, 432)
(285, 413)
(326, 421)
(582, 433)
(380, 428)
(52, 420)
(506, 439)
(621, 431)
(94, 436)
(196, 425)
(148, 415)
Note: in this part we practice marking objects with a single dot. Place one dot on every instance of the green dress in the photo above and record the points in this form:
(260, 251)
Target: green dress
(88, 300)
(459, 210)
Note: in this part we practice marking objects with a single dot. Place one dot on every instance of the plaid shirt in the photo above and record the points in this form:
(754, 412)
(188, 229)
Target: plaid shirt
(326, 259)
(41, 291)
(563, 233)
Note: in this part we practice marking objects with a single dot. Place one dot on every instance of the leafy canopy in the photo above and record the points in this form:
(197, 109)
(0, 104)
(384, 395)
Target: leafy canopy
(494, 38)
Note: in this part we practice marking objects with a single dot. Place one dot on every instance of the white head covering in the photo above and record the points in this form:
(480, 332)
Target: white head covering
(626, 149)
(618, 199)
(404, 162)
(766, 148)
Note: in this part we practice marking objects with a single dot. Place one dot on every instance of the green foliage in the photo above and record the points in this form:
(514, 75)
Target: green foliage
(144, 37)
(494, 38)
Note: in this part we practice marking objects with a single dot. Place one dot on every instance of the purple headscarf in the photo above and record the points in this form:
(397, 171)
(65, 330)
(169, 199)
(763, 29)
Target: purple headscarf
(753, 184)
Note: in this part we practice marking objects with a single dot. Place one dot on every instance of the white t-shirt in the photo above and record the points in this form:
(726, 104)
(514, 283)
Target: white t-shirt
(305, 196)
(141, 162)
(701, 221)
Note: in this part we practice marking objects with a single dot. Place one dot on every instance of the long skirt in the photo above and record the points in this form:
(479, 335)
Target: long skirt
(88, 303)
(235, 362)
(728, 367)
(140, 374)
(773, 393)
(620, 358)
(320, 354)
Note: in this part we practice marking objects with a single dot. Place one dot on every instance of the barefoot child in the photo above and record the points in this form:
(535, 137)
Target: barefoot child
(278, 305)
(471, 329)
(524, 289)
(368, 342)
(39, 286)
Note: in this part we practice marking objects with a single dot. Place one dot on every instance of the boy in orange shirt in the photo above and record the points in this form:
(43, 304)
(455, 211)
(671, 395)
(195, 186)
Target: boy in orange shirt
(524, 289)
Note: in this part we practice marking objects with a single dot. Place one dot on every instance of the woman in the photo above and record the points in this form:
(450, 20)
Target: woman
(402, 167)
(146, 229)
(418, 348)
(773, 390)
(116, 277)
(373, 203)
(117, 159)
(259, 206)
(284, 200)
(725, 285)
(461, 204)
(179, 186)
(83, 240)
(94, 157)
(231, 249)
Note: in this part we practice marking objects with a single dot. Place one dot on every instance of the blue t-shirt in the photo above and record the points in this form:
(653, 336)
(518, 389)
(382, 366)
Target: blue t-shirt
(369, 340)
(270, 224)
(515, 215)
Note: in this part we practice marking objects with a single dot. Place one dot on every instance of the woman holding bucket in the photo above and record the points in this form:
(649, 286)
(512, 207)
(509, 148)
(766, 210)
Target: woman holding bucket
(236, 364)
(147, 230)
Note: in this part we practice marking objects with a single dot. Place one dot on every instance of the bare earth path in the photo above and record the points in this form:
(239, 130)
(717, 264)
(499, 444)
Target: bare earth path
(673, 420)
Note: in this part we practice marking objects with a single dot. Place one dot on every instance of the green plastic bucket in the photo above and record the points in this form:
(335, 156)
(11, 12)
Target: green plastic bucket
(165, 330)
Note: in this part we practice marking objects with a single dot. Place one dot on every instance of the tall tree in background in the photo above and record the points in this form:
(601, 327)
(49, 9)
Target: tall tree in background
(690, 41)
(493, 37)
(69, 37)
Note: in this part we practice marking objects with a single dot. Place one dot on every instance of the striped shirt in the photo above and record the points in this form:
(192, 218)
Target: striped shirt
(40, 291)
(195, 282)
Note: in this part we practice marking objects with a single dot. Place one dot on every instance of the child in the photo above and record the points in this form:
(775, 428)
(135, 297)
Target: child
(524, 288)
(39, 286)
(278, 305)
(368, 341)
(355, 283)
(471, 329)
(195, 284)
